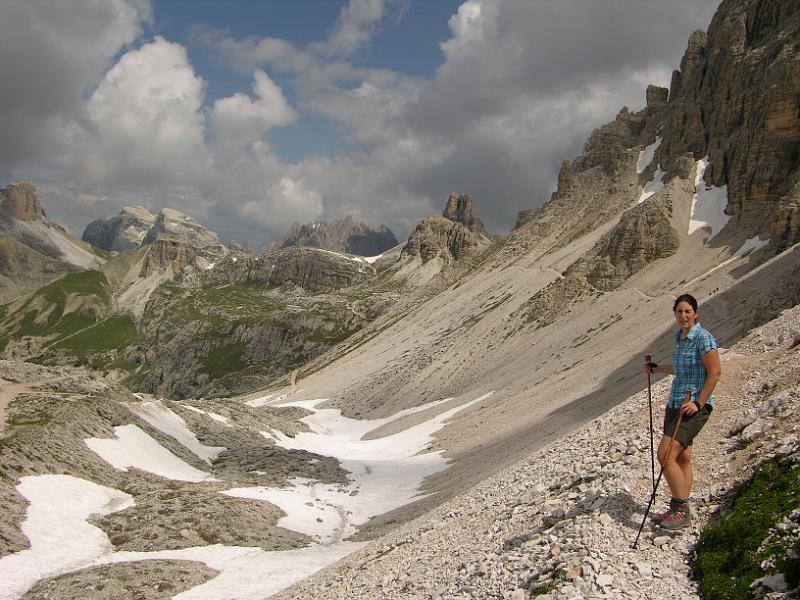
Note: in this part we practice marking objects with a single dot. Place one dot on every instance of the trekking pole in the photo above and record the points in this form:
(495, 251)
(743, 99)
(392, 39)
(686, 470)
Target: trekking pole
(666, 459)
(647, 360)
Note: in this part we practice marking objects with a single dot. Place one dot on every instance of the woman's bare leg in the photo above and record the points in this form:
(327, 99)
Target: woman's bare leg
(678, 479)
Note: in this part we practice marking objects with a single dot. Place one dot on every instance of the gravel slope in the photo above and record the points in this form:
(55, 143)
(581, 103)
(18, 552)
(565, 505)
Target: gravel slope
(563, 519)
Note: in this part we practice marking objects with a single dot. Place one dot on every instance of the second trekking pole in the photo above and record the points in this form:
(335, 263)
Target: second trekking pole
(660, 473)
(648, 361)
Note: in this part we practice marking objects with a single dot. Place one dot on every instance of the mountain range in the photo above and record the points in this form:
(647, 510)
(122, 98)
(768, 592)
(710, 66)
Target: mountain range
(357, 392)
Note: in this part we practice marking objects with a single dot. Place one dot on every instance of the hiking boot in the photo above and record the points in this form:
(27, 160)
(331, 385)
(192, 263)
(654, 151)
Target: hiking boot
(658, 517)
(676, 519)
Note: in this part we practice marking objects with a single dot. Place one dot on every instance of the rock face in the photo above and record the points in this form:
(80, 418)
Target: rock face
(167, 253)
(438, 237)
(175, 225)
(461, 209)
(125, 231)
(343, 235)
(735, 100)
(643, 235)
(20, 201)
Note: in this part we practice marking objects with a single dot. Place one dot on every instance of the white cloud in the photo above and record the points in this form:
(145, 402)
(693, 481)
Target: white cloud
(286, 201)
(354, 27)
(51, 54)
(240, 120)
(144, 121)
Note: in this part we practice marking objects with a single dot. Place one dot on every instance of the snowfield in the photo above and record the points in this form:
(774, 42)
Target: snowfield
(385, 473)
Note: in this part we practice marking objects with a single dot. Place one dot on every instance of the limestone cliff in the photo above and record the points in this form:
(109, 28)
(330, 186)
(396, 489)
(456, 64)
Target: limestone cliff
(734, 99)
(23, 219)
(438, 237)
(20, 201)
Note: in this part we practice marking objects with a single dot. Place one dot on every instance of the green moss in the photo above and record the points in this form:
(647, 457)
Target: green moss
(730, 552)
(115, 332)
(84, 283)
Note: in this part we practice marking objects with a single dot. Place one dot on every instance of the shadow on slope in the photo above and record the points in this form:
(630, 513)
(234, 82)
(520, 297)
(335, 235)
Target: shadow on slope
(756, 299)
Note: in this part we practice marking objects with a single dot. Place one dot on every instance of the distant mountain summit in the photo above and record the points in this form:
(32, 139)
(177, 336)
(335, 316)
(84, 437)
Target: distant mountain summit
(175, 225)
(135, 226)
(125, 231)
(342, 235)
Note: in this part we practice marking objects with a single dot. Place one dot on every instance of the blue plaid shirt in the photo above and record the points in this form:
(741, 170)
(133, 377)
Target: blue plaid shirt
(690, 372)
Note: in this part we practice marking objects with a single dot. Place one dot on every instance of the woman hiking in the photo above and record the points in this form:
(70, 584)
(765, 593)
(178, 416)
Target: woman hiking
(696, 367)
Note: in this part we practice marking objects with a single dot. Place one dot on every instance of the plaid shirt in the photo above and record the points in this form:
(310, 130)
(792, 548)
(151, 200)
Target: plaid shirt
(690, 372)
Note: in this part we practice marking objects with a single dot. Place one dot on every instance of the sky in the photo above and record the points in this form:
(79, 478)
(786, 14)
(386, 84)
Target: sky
(251, 115)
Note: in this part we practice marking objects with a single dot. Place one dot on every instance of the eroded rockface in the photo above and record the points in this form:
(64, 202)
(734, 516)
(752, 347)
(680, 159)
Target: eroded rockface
(461, 209)
(175, 225)
(644, 234)
(602, 181)
(20, 201)
(735, 99)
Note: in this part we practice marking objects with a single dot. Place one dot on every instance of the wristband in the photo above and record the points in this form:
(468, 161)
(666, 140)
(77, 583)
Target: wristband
(697, 404)
(652, 366)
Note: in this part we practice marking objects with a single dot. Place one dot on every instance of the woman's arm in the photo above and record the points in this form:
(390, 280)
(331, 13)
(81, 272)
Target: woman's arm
(714, 369)
(663, 369)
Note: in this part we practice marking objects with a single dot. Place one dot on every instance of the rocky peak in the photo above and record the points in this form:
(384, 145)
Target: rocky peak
(342, 235)
(20, 201)
(437, 237)
(461, 208)
(123, 232)
(175, 225)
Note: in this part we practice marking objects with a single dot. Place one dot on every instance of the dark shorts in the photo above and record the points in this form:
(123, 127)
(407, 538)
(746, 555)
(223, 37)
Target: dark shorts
(690, 426)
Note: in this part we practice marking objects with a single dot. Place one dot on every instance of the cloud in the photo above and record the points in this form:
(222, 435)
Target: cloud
(355, 26)
(51, 54)
(291, 197)
(239, 120)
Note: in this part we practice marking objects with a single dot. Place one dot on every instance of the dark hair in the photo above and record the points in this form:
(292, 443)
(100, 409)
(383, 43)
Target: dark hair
(688, 298)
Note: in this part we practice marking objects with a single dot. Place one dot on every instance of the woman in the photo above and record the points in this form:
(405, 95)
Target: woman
(696, 367)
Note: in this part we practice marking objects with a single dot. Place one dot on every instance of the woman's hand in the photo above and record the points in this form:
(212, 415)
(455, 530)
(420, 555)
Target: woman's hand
(689, 408)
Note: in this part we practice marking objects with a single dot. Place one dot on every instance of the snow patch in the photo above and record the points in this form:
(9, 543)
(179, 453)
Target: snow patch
(263, 400)
(166, 421)
(55, 523)
(653, 186)
(646, 156)
(134, 448)
(224, 420)
(385, 472)
(708, 204)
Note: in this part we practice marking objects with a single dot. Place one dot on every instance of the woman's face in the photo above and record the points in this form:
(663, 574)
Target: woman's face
(685, 315)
